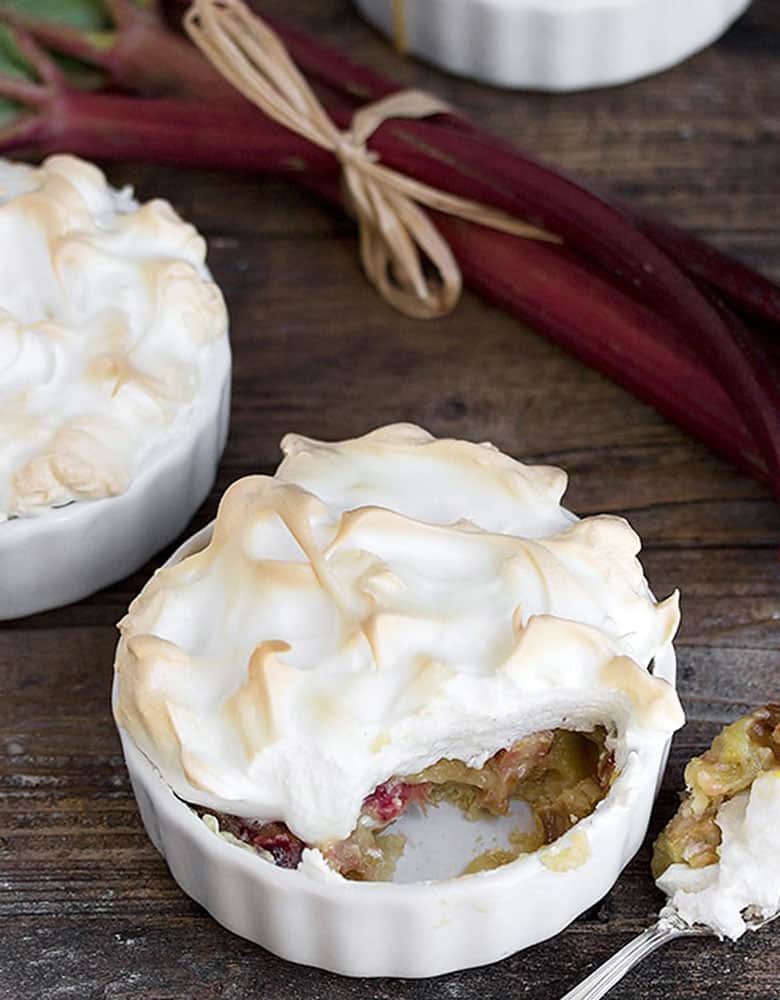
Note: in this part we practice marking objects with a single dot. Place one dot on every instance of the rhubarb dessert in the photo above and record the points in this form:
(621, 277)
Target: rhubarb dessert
(114, 361)
(387, 624)
(108, 326)
(717, 859)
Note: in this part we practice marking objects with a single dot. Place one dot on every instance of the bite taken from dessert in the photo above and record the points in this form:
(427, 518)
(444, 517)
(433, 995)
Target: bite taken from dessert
(400, 665)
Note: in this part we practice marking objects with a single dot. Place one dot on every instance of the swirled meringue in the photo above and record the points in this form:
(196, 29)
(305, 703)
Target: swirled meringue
(109, 327)
(375, 606)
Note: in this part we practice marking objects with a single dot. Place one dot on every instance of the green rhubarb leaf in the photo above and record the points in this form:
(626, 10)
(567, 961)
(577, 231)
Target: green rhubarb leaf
(91, 19)
(89, 15)
(11, 64)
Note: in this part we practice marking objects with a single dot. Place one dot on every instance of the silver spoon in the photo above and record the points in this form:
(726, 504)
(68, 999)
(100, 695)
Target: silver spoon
(668, 927)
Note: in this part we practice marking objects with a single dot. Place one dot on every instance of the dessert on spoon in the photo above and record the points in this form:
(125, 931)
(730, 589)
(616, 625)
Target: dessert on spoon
(717, 858)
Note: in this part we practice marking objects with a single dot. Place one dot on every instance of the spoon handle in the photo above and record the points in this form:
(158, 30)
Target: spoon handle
(612, 971)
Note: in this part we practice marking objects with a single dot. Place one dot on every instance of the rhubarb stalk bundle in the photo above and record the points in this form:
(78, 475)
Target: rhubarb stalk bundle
(681, 325)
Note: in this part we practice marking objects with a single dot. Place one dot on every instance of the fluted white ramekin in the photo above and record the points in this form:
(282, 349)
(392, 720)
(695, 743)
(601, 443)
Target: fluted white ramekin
(558, 45)
(387, 929)
(69, 552)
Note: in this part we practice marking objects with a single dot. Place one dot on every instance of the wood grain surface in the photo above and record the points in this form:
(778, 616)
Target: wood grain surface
(87, 908)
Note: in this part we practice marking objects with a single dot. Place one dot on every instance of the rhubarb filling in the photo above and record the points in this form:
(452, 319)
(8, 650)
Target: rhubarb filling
(738, 755)
(561, 776)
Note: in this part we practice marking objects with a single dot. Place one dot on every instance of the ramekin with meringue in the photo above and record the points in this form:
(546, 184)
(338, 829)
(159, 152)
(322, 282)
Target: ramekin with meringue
(397, 711)
(114, 381)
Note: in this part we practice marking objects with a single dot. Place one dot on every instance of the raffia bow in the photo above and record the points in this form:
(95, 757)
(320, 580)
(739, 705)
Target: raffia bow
(396, 235)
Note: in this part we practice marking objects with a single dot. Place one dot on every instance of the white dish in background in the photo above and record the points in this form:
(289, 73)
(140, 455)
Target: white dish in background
(114, 381)
(556, 45)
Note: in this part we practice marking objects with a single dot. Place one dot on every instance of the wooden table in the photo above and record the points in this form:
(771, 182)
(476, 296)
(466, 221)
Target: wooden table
(87, 907)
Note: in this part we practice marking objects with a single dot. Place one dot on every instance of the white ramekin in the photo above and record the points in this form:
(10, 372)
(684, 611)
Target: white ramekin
(69, 552)
(558, 45)
(385, 929)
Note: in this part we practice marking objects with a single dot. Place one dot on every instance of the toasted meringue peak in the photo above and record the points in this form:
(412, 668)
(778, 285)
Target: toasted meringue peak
(110, 326)
(375, 606)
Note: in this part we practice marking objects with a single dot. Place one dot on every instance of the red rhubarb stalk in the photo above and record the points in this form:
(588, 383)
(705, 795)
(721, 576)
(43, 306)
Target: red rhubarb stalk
(606, 330)
(173, 131)
(58, 118)
(498, 175)
(546, 287)
(604, 236)
(742, 285)
(141, 54)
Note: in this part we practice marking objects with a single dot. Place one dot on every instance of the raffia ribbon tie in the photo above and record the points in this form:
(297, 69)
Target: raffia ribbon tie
(400, 37)
(396, 236)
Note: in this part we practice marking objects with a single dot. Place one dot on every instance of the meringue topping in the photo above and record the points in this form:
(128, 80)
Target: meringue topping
(109, 328)
(380, 604)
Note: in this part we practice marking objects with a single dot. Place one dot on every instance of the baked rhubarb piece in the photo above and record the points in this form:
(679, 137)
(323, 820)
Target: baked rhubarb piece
(388, 623)
(718, 856)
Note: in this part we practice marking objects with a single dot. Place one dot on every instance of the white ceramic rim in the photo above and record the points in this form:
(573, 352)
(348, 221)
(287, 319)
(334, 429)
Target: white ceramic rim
(386, 929)
(67, 553)
(557, 45)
